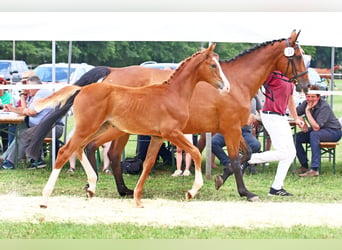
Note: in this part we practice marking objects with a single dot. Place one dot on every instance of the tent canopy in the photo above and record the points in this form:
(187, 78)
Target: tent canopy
(317, 28)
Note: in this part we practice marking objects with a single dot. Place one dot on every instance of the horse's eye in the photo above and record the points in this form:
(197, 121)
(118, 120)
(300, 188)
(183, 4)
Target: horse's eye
(214, 66)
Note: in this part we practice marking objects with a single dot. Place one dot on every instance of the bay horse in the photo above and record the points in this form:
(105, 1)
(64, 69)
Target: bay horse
(160, 110)
(226, 115)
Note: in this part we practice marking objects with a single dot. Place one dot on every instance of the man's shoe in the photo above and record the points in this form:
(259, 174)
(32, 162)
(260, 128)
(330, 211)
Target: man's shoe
(41, 164)
(7, 165)
(310, 173)
(218, 181)
(279, 192)
(302, 170)
(36, 164)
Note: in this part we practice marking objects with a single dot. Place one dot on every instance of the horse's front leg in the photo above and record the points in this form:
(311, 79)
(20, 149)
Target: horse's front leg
(234, 166)
(198, 182)
(150, 159)
(242, 190)
(178, 139)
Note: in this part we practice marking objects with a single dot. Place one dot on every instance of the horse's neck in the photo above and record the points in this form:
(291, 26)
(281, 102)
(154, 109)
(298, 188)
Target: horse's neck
(185, 79)
(250, 70)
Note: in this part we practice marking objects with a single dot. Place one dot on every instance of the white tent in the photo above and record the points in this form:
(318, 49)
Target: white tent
(318, 28)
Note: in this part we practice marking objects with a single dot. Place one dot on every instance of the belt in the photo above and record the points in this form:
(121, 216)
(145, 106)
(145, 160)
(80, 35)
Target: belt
(272, 113)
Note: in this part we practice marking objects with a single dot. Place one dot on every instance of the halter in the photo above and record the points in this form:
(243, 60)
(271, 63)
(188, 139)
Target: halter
(289, 53)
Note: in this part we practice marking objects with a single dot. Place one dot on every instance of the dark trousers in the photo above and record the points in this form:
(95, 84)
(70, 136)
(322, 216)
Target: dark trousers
(142, 146)
(218, 142)
(314, 138)
(4, 136)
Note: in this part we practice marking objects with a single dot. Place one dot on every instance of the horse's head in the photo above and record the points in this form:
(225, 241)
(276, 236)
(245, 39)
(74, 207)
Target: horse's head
(211, 70)
(293, 64)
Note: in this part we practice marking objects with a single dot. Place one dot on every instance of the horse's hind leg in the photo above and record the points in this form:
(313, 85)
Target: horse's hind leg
(63, 155)
(91, 174)
(114, 155)
(119, 140)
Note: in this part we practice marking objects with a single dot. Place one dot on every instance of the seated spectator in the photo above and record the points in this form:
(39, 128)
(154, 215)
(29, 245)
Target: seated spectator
(20, 100)
(320, 125)
(218, 141)
(32, 119)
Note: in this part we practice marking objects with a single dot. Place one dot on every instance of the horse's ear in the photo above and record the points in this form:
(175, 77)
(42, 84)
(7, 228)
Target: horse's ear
(212, 47)
(297, 35)
(294, 36)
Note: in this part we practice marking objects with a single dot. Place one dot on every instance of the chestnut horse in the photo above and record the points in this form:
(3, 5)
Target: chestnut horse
(225, 115)
(326, 72)
(160, 110)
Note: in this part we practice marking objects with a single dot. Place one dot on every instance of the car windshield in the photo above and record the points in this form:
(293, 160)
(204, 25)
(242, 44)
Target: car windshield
(45, 73)
(4, 66)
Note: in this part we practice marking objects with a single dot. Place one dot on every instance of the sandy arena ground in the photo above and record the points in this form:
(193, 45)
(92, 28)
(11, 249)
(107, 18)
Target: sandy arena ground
(170, 213)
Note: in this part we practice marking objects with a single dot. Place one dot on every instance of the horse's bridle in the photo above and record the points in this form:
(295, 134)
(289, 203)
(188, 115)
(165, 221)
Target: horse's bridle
(290, 61)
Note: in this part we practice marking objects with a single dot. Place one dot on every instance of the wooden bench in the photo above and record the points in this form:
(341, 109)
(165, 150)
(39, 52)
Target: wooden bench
(329, 148)
(328, 151)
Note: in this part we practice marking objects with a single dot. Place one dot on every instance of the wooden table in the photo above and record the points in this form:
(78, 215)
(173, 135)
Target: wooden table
(12, 118)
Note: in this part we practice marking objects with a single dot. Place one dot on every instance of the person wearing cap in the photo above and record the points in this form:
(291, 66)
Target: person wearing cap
(33, 119)
(321, 125)
(22, 95)
(20, 99)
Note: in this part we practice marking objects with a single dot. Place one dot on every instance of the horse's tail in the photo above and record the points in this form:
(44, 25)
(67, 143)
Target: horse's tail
(43, 128)
(94, 75)
(59, 98)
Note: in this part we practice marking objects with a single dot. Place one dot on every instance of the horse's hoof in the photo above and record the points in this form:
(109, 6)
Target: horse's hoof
(188, 196)
(89, 194)
(140, 205)
(254, 198)
(218, 181)
(126, 193)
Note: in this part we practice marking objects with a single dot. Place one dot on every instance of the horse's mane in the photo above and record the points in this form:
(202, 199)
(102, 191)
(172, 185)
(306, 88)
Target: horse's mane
(181, 66)
(250, 50)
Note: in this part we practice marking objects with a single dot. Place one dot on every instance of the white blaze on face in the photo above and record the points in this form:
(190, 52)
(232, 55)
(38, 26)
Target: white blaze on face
(226, 84)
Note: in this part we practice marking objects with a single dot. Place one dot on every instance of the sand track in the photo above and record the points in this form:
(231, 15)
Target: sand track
(161, 212)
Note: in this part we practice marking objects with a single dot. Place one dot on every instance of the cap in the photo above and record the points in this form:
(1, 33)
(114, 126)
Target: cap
(27, 74)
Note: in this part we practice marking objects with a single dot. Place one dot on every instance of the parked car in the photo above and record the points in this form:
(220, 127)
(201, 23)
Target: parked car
(44, 71)
(12, 70)
(153, 64)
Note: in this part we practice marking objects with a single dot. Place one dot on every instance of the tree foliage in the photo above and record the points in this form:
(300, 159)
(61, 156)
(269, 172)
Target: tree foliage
(123, 53)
